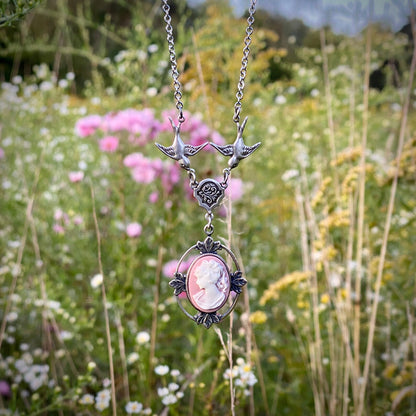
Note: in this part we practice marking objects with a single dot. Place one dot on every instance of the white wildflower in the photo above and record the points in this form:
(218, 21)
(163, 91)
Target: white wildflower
(173, 386)
(102, 405)
(290, 174)
(175, 373)
(162, 391)
(133, 407)
(151, 92)
(17, 79)
(280, 99)
(132, 357)
(169, 399)
(153, 48)
(12, 316)
(161, 370)
(86, 399)
(314, 92)
(96, 280)
(142, 337)
(103, 395)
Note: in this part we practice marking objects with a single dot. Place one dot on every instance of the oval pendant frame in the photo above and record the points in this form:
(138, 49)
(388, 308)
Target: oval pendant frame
(236, 282)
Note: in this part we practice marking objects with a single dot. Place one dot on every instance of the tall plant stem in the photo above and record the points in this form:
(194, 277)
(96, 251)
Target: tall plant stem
(17, 267)
(383, 251)
(104, 301)
(46, 313)
(361, 208)
(230, 335)
(201, 77)
(315, 350)
(330, 116)
(156, 296)
(122, 348)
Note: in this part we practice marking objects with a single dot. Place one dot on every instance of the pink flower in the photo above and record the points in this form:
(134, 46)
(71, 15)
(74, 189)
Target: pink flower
(76, 176)
(87, 125)
(235, 189)
(108, 144)
(58, 229)
(78, 220)
(144, 170)
(200, 135)
(169, 268)
(170, 176)
(143, 174)
(217, 138)
(189, 192)
(139, 123)
(133, 229)
(58, 214)
(173, 114)
(1, 153)
(134, 159)
(153, 197)
(5, 389)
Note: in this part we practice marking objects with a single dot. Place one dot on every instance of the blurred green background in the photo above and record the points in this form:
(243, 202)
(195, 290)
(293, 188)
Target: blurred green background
(322, 216)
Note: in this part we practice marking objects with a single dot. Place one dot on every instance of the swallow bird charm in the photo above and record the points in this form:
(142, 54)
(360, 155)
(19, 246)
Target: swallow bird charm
(238, 150)
(179, 150)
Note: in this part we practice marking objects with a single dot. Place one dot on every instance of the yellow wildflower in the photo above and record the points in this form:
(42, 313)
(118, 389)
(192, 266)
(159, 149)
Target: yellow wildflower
(389, 371)
(301, 304)
(340, 218)
(347, 155)
(272, 292)
(325, 298)
(258, 317)
(321, 191)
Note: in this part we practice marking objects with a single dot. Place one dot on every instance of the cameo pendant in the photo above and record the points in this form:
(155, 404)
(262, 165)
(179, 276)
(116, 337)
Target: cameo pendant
(211, 288)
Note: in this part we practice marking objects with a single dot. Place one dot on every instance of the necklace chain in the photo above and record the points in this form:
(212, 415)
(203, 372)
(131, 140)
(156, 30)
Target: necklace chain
(244, 61)
(174, 65)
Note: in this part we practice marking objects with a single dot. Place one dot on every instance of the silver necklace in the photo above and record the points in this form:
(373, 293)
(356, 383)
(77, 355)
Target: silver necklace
(208, 281)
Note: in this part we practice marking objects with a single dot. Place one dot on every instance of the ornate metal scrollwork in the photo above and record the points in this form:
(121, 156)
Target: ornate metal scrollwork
(209, 193)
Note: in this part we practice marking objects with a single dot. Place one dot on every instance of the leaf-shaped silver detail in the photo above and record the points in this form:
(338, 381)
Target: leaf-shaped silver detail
(178, 283)
(237, 282)
(208, 246)
(207, 319)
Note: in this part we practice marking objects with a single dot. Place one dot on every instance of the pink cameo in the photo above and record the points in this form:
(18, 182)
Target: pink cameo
(208, 283)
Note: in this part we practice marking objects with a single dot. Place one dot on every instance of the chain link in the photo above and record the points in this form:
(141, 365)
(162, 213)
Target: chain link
(226, 172)
(209, 228)
(193, 183)
(173, 63)
(244, 61)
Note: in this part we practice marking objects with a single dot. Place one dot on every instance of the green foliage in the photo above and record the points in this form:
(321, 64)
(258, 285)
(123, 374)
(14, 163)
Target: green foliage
(11, 11)
(294, 228)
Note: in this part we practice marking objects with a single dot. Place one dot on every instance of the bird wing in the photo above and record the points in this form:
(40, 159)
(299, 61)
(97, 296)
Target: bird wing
(227, 150)
(190, 150)
(248, 150)
(168, 151)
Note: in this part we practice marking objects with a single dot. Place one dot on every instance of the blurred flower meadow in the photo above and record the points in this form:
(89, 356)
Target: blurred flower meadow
(93, 218)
